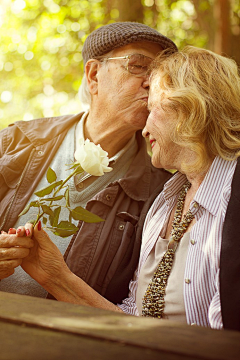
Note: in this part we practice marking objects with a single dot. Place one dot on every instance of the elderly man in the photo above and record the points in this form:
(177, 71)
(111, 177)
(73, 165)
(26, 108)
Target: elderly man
(105, 254)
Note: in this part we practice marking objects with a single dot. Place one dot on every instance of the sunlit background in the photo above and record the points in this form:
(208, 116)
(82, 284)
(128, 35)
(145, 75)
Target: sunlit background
(41, 42)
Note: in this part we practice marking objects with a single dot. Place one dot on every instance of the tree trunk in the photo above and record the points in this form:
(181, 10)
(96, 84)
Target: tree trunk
(205, 20)
(222, 43)
(129, 10)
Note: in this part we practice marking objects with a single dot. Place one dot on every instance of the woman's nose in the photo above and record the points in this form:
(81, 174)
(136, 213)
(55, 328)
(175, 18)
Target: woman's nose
(145, 133)
(145, 83)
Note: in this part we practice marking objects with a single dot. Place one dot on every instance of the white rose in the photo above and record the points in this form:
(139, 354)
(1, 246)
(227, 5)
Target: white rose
(92, 158)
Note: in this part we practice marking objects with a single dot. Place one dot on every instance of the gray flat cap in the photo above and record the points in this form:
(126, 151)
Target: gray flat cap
(118, 34)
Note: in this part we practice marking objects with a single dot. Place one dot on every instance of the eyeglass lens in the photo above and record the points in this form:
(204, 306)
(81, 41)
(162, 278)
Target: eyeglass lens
(138, 64)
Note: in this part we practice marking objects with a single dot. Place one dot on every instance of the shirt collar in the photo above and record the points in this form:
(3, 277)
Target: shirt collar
(210, 190)
(174, 185)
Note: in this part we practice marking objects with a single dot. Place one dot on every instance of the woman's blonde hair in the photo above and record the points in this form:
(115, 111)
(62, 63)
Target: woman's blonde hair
(204, 90)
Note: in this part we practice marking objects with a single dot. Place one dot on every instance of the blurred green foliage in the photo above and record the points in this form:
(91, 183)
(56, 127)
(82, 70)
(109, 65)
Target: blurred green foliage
(41, 42)
(40, 56)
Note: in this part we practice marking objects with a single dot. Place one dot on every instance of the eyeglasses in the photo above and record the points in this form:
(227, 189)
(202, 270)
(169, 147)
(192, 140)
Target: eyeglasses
(137, 64)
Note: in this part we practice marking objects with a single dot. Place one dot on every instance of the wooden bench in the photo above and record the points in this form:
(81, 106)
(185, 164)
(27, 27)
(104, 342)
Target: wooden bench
(33, 329)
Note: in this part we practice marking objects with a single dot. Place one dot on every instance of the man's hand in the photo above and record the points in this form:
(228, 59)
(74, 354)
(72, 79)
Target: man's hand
(13, 250)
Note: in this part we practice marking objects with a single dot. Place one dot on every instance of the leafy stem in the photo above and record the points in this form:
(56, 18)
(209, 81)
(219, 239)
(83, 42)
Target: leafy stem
(49, 208)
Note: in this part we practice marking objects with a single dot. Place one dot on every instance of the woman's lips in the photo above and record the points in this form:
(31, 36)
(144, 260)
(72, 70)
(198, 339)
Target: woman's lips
(152, 142)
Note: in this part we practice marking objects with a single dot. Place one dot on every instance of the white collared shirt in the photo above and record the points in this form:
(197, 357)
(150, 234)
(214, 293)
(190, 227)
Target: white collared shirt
(201, 276)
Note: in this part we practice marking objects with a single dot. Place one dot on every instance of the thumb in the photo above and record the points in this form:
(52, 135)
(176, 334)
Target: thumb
(41, 236)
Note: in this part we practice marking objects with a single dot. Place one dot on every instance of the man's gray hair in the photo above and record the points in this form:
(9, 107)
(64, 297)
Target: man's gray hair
(84, 94)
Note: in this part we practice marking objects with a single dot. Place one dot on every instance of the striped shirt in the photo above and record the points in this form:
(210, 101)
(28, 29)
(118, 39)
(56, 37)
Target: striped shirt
(201, 277)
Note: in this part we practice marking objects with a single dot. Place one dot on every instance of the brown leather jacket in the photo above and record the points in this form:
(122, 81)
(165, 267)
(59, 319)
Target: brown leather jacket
(104, 254)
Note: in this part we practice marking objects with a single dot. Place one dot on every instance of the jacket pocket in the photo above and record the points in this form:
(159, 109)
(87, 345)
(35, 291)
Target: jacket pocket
(119, 241)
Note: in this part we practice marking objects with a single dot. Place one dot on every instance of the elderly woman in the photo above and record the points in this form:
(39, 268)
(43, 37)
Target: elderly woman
(194, 127)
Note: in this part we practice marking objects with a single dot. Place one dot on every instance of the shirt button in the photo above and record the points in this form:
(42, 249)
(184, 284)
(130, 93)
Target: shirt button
(193, 324)
(80, 185)
(195, 205)
(187, 281)
(40, 152)
(193, 242)
(108, 197)
(121, 227)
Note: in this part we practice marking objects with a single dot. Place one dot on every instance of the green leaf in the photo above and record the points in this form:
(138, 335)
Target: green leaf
(66, 225)
(34, 203)
(51, 175)
(80, 213)
(64, 229)
(67, 197)
(44, 220)
(55, 198)
(47, 190)
(63, 233)
(47, 210)
(54, 219)
(26, 209)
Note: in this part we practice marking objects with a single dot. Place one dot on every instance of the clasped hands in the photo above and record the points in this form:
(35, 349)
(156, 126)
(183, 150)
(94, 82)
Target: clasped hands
(41, 259)
(34, 251)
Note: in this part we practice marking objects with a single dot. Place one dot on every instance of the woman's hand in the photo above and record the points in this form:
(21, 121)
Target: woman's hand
(45, 263)
(13, 250)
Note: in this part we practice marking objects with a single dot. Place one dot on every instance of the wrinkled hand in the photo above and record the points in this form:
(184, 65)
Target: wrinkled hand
(13, 250)
(45, 263)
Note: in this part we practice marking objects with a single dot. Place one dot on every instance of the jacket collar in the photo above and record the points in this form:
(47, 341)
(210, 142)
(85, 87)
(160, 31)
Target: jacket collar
(48, 127)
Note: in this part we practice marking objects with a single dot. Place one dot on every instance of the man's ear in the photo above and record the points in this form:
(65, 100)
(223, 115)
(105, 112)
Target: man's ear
(91, 71)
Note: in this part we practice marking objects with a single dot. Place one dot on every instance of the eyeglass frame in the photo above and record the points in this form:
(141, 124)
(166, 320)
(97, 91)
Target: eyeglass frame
(128, 58)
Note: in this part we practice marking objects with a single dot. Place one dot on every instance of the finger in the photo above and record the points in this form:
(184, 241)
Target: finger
(12, 231)
(28, 229)
(8, 241)
(6, 274)
(20, 231)
(13, 253)
(7, 267)
(40, 235)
